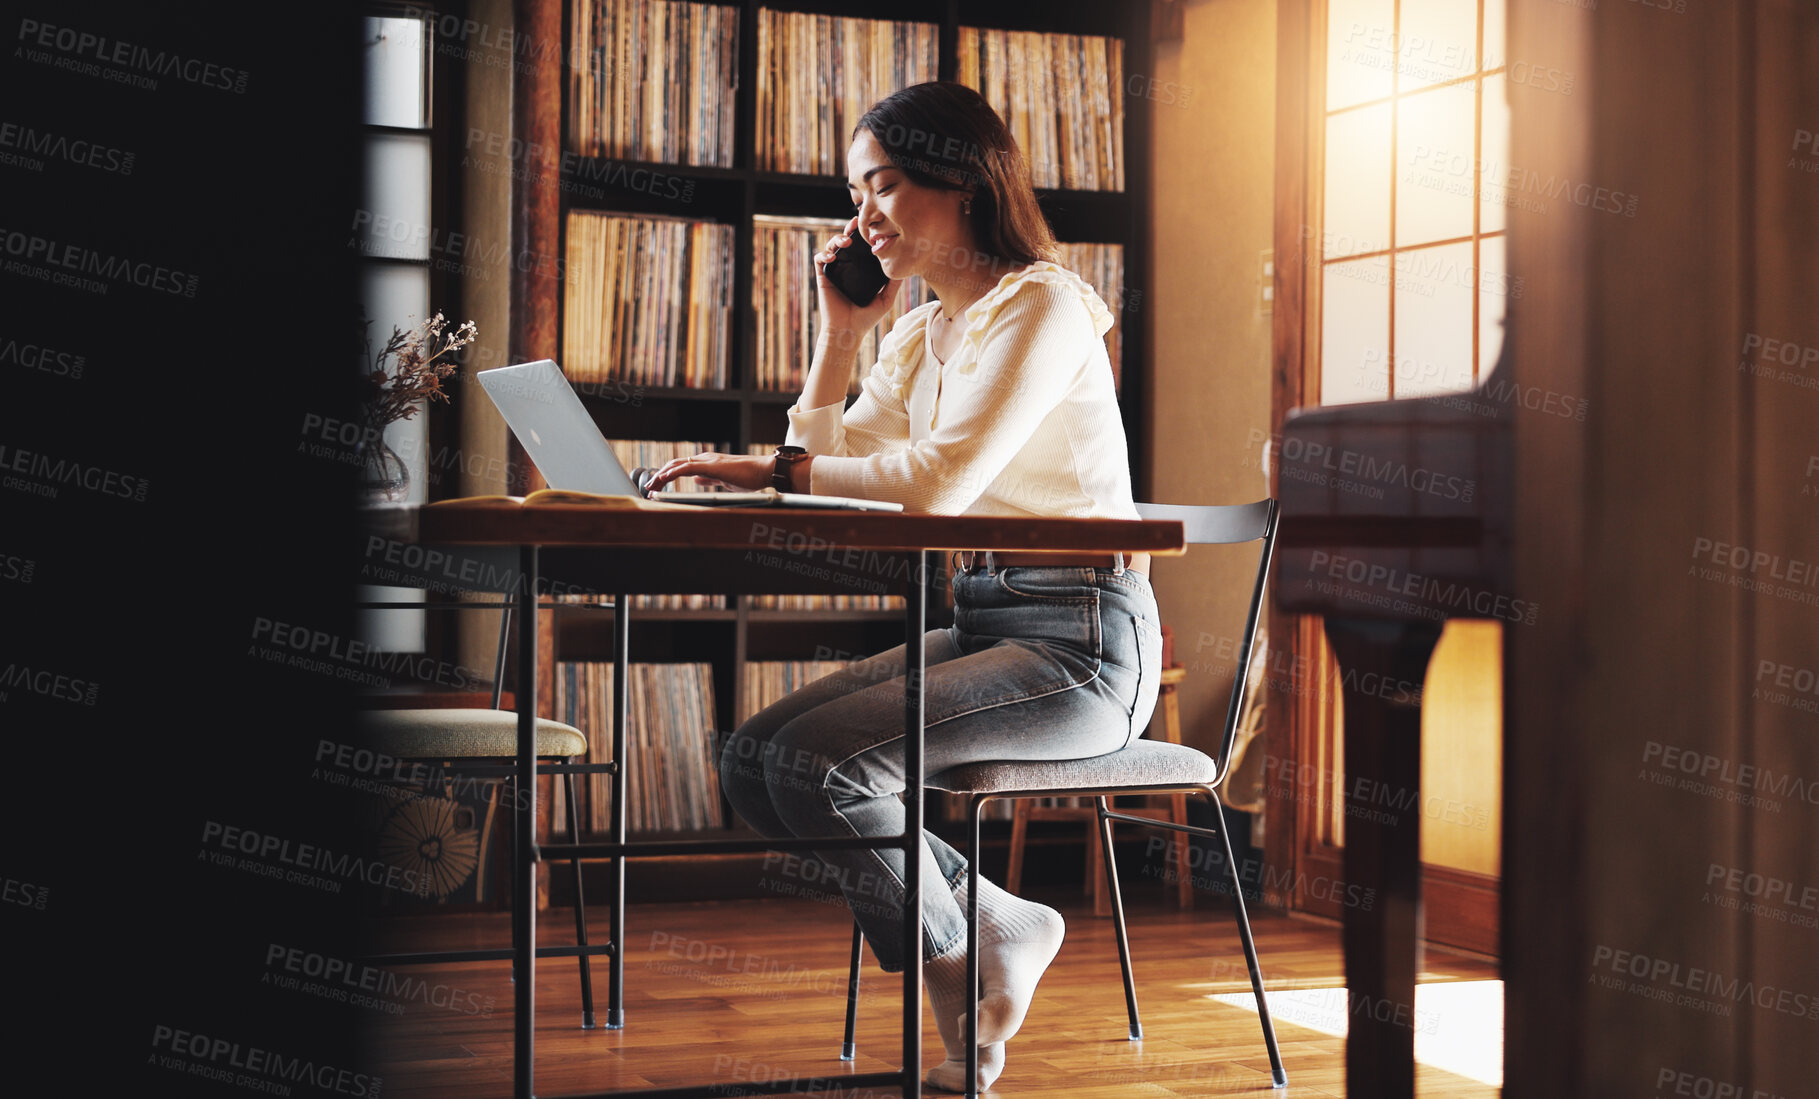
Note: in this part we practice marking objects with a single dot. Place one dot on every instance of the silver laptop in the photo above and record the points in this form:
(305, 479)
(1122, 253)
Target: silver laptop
(551, 423)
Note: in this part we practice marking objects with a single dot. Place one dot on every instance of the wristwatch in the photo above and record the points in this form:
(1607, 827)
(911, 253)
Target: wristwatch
(786, 457)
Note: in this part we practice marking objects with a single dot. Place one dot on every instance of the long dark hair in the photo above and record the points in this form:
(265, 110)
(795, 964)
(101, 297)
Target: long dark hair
(943, 134)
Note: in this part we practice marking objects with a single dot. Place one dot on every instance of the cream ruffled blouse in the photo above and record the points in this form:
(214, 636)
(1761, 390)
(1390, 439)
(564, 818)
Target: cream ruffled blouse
(1021, 420)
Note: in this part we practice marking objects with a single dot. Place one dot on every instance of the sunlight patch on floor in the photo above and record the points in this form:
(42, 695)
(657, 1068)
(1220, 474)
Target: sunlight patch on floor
(1458, 1024)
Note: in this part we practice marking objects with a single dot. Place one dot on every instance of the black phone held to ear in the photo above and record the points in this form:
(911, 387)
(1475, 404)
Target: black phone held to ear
(856, 273)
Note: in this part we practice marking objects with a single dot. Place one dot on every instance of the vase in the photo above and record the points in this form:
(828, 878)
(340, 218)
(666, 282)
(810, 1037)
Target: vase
(384, 478)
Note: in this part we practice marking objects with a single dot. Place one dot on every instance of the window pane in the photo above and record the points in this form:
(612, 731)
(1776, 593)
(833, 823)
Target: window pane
(394, 294)
(1360, 53)
(1434, 288)
(1495, 157)
(394, 222)
(1439, 42)
(395, 81)
(1354, 331)
(1495, 39)
(1434, 160)
(1358, 181)
(1493, 301)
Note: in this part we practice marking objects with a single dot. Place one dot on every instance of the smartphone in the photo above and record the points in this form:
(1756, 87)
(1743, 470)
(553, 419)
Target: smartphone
(856, 273)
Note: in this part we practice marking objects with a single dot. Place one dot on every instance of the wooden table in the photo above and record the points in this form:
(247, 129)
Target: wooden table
(620, 550)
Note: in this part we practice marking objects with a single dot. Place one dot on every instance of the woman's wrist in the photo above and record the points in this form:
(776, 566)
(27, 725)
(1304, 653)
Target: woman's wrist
(829, 372)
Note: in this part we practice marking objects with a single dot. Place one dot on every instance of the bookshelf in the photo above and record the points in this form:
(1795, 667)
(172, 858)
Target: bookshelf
(741, 195)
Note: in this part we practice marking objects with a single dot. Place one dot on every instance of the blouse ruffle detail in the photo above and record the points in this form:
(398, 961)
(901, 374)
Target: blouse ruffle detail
(900, 352)
(980, 314)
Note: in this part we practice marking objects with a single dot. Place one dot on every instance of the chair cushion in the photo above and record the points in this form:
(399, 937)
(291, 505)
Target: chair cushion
(463, 734)
(1144, 763)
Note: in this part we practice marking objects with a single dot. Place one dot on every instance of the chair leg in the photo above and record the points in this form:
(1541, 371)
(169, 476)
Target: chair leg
(1020, 823)
(486, 838)
(848, 1050)
(1117, 899)
(975, 808)
(587, 977)
(1250, 947)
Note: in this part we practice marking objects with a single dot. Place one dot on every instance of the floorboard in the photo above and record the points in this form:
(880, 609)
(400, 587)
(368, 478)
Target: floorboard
(743, 994)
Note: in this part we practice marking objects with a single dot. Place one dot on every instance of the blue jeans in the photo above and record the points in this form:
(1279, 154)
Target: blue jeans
(1042, 663)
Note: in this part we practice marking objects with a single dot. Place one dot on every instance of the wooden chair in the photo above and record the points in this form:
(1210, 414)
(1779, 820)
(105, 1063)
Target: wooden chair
(1144, 767)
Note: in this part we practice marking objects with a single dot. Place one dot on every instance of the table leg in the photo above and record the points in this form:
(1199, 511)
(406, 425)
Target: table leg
(524, 894)
(915, 621)
(1382, 848)
(615, 928)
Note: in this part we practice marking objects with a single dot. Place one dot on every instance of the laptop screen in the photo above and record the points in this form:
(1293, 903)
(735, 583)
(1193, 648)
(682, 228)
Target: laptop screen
(553, 426)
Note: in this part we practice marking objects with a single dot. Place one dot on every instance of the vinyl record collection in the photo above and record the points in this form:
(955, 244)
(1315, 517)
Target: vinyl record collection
(818, 74)
(1062, 97)
(647, 300)
(826, 602)
(672, 780)
(654, 80)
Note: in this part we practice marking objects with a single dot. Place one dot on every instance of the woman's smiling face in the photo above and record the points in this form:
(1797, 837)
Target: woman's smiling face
(910, 227)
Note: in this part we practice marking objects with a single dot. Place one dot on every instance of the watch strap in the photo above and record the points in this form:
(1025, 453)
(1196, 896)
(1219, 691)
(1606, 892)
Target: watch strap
(782, 467)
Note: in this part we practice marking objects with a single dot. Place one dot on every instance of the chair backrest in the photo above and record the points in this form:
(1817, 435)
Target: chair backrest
(1228, 524)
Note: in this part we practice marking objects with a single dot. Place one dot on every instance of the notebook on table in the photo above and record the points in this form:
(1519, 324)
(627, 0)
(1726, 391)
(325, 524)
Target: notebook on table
(553, 426)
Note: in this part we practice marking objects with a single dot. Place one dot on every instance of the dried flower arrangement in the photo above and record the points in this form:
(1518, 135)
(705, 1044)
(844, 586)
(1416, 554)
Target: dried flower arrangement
(418, 367)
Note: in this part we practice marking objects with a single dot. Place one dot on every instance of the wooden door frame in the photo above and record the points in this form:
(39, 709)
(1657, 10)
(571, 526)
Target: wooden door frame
(1462, 906)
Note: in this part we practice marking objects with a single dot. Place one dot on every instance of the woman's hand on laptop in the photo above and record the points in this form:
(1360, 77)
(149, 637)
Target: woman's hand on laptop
(737, 471)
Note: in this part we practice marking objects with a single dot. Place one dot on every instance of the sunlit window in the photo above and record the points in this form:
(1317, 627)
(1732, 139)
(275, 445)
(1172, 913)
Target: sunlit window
(1412, 273)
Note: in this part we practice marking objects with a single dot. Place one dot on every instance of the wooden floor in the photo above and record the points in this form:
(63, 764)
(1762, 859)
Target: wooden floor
(741, 994)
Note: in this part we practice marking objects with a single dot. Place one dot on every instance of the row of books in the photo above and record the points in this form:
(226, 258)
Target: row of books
(789, 320)
(672, 776)
(819, 74)
(657, 80)
(654, 80)
(826, 602)
(1060, 94)
(647, 300)
(773, 602)
(696, 602)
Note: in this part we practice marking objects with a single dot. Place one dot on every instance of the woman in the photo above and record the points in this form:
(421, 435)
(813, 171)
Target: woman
(994, 399)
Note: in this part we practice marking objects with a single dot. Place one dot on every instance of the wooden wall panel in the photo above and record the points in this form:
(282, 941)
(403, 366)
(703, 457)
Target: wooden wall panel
(1779, 698)
(1624, 965)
